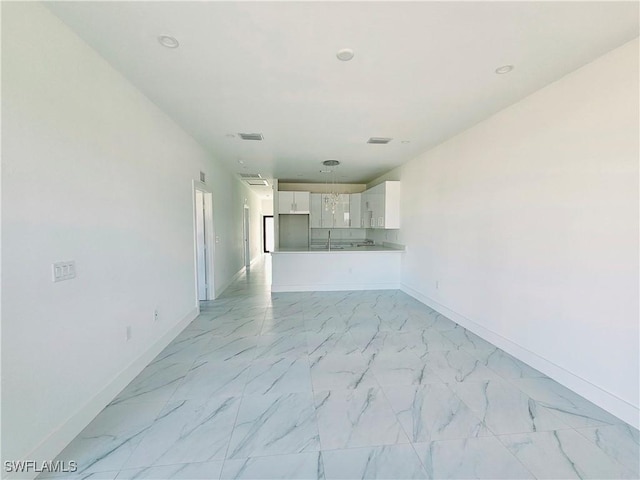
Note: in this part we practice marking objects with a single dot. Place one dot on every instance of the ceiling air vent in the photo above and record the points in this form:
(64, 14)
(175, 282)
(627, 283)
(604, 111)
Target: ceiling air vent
(379, 140)
(257, 182)
(250, 136)
(250, 175)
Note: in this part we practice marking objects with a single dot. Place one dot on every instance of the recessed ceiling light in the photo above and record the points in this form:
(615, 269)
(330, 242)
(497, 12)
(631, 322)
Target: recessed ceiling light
(240, 162)
(405, 141)
(331, 163)
(504, 69)
(345, 54)
(230, 135)
(168, 41)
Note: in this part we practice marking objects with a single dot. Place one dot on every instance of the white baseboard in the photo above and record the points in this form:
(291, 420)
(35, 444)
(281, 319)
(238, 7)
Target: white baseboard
(331, 287)
(607, 401)
(50, 447)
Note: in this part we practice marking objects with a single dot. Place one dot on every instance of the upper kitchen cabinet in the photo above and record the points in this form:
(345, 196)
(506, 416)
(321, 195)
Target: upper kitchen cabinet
(341, 216)
(327, 214)
(355, 210)
(382, 205)
(338, 217)
(365, 211)
(315, 215)
(294, 202)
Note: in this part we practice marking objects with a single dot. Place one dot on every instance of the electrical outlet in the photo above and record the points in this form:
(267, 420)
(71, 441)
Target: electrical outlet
(127, 333)
(437, 284)
(155, 315)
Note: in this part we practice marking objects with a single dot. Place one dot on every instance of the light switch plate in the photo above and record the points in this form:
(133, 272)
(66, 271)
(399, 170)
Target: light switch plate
(64, 270)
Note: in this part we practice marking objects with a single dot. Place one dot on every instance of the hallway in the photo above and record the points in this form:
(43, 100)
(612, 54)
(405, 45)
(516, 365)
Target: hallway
(364, 384)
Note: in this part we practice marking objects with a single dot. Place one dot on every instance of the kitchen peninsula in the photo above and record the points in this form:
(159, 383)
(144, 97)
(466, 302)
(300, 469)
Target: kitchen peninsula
(370, 267)
(337, 241)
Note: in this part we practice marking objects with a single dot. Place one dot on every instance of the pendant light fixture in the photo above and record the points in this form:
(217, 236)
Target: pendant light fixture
(332, 196)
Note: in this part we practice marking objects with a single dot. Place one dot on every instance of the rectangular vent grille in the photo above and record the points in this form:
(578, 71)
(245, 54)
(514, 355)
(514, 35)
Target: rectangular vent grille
(379, 140)
(250, 136)
(250, 175)
(257, 182)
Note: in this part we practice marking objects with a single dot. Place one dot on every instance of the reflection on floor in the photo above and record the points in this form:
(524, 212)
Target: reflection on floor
(369, 384)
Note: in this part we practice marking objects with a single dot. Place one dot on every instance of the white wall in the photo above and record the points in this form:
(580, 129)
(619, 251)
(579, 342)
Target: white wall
(92, 172)
(267, 206)
(529, 222)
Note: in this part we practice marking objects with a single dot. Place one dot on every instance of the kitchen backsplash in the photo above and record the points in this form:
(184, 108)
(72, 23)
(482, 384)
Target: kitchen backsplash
(346, 234)
(380, 236)
(356, 234)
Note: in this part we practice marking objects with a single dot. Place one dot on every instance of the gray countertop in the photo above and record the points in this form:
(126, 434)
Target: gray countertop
(342, 249)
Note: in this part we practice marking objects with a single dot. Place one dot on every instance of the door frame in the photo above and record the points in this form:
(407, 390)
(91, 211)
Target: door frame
(209, 229)
(246, 231)
(264, 233)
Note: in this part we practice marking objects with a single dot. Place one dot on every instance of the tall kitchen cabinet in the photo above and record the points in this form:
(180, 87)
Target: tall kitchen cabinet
(381, 206)
(294, 202)
(293, 219)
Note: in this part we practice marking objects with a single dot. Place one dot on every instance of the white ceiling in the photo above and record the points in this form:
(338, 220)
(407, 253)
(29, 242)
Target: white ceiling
(422, 71)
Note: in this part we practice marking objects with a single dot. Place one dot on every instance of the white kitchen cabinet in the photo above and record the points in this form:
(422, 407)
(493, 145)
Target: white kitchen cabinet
(355, 210)
(294, 202)
(342, 214)
(365, 211)
(285, 202)
(383, 205)
(302, 201)
(315, 215)
(327, 215)
(374, 205)
(340, 217)
(371, 207)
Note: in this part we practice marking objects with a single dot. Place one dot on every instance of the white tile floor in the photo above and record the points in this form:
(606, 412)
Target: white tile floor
(369, 384)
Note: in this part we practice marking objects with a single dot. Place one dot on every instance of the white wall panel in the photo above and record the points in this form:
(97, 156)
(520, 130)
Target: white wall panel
(92, 172)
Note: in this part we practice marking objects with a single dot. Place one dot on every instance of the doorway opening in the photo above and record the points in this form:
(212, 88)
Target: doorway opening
(268, 235)
(204, 241)
(245, 233)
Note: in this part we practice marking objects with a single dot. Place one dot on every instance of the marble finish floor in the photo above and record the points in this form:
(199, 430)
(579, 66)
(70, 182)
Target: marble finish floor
(344, 385)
